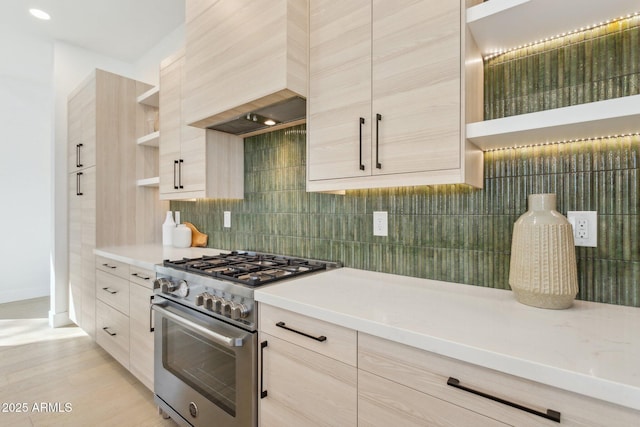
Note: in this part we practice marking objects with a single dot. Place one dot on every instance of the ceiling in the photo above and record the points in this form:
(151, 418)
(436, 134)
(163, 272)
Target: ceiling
(121, 29)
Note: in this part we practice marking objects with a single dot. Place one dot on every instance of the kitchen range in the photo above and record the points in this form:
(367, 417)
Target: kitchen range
(205, 320)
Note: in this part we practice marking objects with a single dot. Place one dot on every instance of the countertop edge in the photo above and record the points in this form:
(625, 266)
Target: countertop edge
(122, 258)
(598, 388)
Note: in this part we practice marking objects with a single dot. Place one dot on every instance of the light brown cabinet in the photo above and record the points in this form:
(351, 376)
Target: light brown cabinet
(395, 378)
(194, 163)
(306, 380)
(242, 55)
(81, 131)
(105, 208)
(124, 294)
(101, 129)
(140, 333)
(387, 96)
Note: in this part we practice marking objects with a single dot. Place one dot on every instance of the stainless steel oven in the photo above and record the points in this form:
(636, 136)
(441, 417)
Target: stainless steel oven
(206, 327)
(205, 369)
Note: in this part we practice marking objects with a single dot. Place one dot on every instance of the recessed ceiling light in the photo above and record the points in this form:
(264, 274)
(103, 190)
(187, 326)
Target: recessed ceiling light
(270, 122)
(40, 14)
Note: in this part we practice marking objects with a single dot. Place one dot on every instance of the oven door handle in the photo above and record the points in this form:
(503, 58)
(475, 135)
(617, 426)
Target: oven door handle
(214, 336)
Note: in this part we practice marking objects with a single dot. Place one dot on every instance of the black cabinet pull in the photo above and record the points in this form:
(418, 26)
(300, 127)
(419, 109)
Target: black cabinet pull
(549, 415)
(282, 325)
(180, 174)
(78, 189)
(263, 392)
(113, 267)
(78, 161)
(106, 329)
(111, 291)
(175, 164)
(361, 123)
(141, 277)
(378, 118)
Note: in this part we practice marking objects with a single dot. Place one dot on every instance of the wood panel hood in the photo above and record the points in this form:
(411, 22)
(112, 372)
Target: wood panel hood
(244, 59)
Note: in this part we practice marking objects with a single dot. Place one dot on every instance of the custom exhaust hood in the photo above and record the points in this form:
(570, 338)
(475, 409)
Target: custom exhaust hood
(246, 65)
(280, 114)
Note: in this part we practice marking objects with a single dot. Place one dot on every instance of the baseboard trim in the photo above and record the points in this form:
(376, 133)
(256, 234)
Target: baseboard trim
(57, 320)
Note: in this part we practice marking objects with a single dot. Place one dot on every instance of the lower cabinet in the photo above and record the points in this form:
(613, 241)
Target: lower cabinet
(383, 403)
(300, 384)
(395, 378)
(123, 295)
(141, 335)
(314, 373)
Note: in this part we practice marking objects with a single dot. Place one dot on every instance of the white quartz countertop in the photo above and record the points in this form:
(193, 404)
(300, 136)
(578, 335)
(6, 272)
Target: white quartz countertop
(147, 256)
(591, 349)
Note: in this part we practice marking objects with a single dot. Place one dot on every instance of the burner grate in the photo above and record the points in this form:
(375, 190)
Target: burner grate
(249, 268)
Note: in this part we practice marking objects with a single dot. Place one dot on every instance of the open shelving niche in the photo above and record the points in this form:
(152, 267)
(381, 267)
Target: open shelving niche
(499, 25)
(150, 98)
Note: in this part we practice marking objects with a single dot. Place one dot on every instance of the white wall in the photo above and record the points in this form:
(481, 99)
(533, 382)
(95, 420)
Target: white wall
(71, 66)
(26, 99)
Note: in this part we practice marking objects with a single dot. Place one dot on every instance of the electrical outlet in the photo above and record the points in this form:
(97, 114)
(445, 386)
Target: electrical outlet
(227, 219)
(585, 227)
(380, 224)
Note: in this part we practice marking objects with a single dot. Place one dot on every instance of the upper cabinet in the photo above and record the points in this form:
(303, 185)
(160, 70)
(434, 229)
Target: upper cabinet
(387, 96)
(565, 47)
(81, 129)
(194, 163)
(243, 56)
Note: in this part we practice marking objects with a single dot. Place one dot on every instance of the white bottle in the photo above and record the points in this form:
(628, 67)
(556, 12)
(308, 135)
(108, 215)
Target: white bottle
(167, 229)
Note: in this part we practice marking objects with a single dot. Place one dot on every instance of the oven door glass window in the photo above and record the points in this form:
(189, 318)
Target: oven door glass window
(207, 367)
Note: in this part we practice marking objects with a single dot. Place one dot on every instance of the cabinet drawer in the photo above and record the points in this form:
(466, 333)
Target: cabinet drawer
(113, 290)
(116, 268)
(322, 337)
(304, 388)
(142, 276)
(428, 373)
(385, 403)
(112, 332)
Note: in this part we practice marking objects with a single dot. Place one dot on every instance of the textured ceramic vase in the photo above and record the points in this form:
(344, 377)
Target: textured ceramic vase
(543, 271)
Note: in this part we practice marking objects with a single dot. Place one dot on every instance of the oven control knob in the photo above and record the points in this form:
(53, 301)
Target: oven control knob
(207, 301)
(199, 300)
(225, 310)
(161, 283)
(217, 304)
(182, 289)
(239, 311)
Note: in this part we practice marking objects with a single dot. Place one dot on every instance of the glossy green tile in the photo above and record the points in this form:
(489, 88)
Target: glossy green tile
(445, 232)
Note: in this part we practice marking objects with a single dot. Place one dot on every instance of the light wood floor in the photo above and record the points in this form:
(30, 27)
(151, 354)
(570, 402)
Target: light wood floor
(60, 377)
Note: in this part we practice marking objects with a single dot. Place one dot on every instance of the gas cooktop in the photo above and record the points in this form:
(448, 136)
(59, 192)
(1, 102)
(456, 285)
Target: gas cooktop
(249, 268)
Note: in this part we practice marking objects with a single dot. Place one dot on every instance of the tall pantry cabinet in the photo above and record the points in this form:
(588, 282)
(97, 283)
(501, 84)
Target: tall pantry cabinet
(102, 125)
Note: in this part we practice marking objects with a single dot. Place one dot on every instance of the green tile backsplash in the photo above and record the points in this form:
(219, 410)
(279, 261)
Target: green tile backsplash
(593, 65)
(446, 232)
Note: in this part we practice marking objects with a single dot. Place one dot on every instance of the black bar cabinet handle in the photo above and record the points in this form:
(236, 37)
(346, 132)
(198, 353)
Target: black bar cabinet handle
(378, 118)
(549, 415)
(78, 189)
(113, 267)
(282, 325)
(175, 164)
(141, 277)
(78, 161)
(263, 392)
(180, 173)
(106, 329)
(361, 123)
(111, 291)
